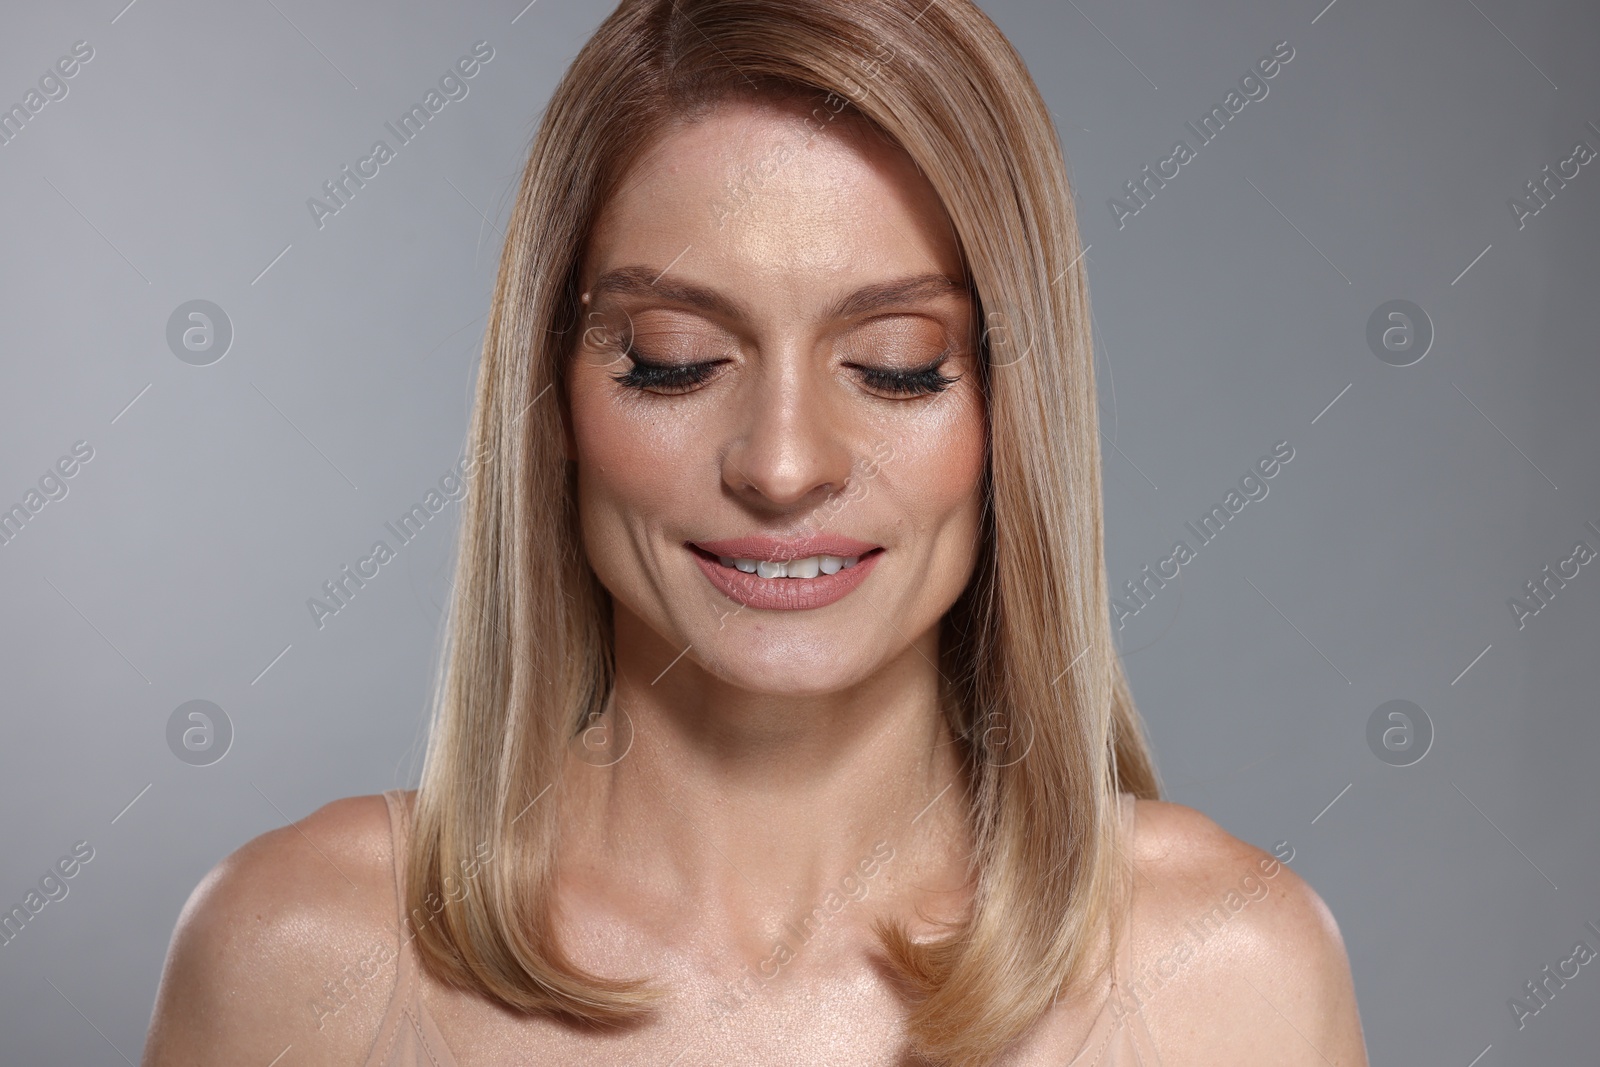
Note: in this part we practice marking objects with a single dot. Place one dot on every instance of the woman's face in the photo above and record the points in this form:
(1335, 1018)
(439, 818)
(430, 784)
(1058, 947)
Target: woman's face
(801, 400)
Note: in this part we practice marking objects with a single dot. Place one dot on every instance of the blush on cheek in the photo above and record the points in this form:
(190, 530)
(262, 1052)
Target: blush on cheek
(624, 445)
(642, 462)
(943, 456)
(935, 476)
(638, 468)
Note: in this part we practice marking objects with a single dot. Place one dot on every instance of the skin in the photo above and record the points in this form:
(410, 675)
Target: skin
(770, 757)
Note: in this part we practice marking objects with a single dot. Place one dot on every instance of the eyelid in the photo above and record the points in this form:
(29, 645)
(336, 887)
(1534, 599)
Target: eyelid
(894, 323)
(660, 319)
(666, 377)
(921, 368)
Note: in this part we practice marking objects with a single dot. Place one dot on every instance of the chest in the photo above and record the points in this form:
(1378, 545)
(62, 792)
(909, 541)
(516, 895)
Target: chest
(738, 1020)
(753, 1020)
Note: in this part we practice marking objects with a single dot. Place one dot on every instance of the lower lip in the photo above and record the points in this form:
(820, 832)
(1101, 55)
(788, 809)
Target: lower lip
(785, 594)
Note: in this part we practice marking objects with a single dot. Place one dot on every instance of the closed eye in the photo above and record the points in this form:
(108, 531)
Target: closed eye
(920, 381)
(649, 376)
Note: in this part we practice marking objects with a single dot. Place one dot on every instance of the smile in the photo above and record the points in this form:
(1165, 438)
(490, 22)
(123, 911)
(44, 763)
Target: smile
(774, 575)
(809, 567)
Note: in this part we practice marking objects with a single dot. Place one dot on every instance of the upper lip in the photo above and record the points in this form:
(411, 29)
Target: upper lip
(786, 548)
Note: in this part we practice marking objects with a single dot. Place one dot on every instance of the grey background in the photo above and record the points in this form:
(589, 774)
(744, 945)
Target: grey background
(1231, 311)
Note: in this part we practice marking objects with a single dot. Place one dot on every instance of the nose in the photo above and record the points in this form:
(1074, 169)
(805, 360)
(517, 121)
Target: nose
(791, 447)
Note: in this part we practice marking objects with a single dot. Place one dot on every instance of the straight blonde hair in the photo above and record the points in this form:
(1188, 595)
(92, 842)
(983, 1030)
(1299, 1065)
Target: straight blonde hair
(1038, 696)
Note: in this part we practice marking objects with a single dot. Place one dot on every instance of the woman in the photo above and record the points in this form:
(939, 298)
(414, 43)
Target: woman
(781, 720)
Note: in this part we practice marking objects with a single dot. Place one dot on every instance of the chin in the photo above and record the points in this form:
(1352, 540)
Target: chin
(758, 656)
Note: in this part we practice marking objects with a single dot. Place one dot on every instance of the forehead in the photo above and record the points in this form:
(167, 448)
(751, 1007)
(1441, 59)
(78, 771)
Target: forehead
(782, 204)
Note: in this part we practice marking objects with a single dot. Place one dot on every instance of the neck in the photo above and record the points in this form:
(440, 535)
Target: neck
(750, 808)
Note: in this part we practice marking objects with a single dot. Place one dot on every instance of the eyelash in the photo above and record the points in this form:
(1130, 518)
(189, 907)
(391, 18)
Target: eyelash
(663, 377)
(645, 375)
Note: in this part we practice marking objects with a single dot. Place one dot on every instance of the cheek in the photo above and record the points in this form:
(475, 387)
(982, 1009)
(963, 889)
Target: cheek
(936, 474)
(632, 464)
(940, 468)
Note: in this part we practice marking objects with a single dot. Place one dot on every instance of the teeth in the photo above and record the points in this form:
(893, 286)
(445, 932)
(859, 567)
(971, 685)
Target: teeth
(809, 567)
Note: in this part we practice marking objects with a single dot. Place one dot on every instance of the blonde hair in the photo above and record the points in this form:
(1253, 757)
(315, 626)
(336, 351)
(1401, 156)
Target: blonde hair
(528, 658)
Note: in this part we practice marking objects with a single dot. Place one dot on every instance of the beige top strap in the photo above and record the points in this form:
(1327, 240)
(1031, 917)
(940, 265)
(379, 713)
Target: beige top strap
(398, 832)
(400, 835)
(1122, 963)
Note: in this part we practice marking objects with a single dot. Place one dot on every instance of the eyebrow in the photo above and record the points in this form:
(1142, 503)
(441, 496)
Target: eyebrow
(642, 281)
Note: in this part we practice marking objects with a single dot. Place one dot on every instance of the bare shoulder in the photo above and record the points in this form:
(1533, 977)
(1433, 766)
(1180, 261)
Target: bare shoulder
(1235, 956)
(289, 941)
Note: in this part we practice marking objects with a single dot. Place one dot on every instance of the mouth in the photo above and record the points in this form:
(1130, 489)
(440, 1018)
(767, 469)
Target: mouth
(777, 576)
(806, 568)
